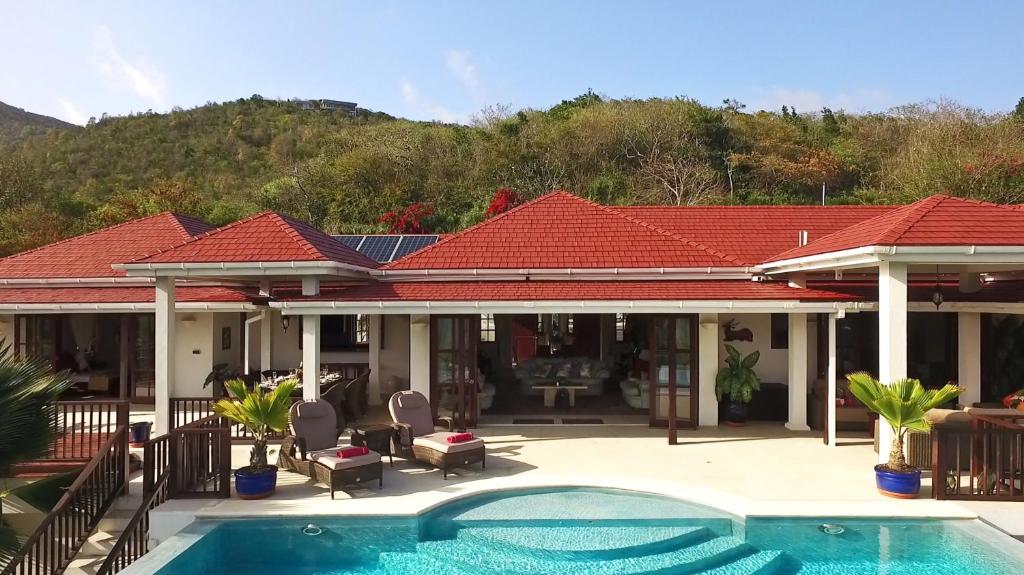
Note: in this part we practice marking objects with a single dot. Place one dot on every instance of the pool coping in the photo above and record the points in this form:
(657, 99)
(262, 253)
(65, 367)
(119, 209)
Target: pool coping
(412, 505)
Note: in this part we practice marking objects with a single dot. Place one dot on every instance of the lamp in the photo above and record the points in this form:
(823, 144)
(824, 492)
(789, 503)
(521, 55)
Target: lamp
(285, 322)
(937, 298)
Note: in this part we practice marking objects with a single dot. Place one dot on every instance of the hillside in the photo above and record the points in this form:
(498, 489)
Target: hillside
(17, 124)
(342, 173)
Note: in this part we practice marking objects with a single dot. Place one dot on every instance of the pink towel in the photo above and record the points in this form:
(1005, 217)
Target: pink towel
(460, 437)
(350, 452)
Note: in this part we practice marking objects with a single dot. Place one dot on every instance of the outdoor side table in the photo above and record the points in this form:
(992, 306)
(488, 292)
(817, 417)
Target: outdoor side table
(376, 436)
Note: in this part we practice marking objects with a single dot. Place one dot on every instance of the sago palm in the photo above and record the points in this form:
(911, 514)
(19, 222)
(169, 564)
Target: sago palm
(28, 390)
(903, 404)
(259, 411)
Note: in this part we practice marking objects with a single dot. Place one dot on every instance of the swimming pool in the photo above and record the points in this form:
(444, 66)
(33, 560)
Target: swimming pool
(583, 531)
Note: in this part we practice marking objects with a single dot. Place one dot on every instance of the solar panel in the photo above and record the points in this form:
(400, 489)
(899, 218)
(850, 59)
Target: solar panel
(411, 244)
(379, 248)
(350, 241)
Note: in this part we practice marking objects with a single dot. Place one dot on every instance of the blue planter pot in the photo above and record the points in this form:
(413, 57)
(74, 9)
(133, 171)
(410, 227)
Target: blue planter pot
(255, 485)
(139, 433)
(899, 484)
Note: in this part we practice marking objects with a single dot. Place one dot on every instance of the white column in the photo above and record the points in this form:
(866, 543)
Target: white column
(267, 338)
(707, 364)
(374, 324)
(164, 352)
(310, 357)
(419, 354)
(969, 356)
(797, 372)
(892, 336)
(831, 379)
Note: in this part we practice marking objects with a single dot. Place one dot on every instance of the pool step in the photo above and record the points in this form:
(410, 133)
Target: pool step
(574, 542)
(459, 556)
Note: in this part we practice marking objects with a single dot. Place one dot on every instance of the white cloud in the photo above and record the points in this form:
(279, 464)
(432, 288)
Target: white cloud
(72, 113)
(139, 76)
(862, 100)
(425, 108)
(462, 67)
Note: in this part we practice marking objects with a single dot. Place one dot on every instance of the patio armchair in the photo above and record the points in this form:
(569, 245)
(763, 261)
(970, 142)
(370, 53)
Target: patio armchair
(417, 435)
(335, 396)
(311, 449)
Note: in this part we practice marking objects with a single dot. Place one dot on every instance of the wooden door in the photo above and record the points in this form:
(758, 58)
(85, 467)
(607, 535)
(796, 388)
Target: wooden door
(453, 382)
(672, 346)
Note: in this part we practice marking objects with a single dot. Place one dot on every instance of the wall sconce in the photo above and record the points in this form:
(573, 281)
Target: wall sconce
(285, 322)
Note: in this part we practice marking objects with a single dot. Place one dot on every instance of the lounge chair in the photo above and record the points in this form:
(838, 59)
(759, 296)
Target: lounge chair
(416, 434)
(313, 445)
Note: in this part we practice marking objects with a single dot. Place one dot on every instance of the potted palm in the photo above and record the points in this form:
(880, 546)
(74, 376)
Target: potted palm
(260, 412)
(737, 380)
(902, 404)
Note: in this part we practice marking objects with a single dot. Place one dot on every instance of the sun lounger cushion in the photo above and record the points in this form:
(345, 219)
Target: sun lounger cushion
(439, 441)
(330, 459)
(413, 409)
(315, 423)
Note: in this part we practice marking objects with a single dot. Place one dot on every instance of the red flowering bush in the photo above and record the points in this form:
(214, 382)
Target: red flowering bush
(504, 200)
(410, 220)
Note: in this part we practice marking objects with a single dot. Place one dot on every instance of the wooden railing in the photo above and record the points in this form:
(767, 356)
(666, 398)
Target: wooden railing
(982, 462)
(80, 428)
(185, 411)
(192, 461)
(52, 546)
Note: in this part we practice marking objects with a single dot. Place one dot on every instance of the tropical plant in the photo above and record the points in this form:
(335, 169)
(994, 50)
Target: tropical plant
(259, 411)
(737, 378)
(903, 404)
(28, 389)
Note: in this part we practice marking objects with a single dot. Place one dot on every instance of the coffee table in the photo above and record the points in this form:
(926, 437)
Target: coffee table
(550, 391)
(376, 436)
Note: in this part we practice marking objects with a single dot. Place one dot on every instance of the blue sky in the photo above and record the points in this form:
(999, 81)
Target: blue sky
(445, 60)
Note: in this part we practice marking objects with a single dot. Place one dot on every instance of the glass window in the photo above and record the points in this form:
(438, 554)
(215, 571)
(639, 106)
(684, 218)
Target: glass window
(487, 331)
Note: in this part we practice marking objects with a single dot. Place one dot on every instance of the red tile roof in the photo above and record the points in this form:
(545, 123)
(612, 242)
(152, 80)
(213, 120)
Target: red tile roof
(92, 254)
(140, 294)
(567, 291)
(938, 220)
(559, 231)
(264, 237)
(752, 234)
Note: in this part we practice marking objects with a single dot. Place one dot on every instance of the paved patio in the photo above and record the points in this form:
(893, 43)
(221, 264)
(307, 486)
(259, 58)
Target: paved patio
(759, 470)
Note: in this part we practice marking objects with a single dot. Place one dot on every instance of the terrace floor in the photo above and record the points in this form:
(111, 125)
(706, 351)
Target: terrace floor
(758, 470)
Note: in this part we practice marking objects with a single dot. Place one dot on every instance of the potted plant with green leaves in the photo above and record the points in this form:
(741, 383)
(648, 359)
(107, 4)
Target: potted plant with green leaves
(903, 405)
(737, 380)
(261, 412)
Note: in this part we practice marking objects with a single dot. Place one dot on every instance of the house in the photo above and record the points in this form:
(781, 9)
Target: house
(630, 307)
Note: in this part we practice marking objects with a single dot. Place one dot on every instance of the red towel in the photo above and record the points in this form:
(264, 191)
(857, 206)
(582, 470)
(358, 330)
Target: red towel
(460, 437)
(349, 452)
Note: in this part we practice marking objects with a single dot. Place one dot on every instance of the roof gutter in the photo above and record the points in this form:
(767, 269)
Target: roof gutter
(123, 307)
(502, 274)
(869, 256)
(551, 306)
(206, 269)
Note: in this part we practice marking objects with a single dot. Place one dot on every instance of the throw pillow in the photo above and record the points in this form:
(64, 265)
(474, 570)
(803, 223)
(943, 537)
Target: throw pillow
(543, 370)
(1015, 400)
(564, 370)
(585, 369)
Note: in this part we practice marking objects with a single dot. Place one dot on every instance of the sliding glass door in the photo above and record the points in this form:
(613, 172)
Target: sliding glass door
(453, 385)
(673, 357)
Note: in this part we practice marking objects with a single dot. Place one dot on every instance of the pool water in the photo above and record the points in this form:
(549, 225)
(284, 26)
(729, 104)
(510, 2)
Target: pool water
(589, 532)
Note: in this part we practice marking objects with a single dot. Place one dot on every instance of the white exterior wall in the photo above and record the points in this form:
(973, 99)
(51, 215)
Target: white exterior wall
(7, 327)
(193, 353)
(229, 355)
(969, 360)
(394, 354)
(708, 337)
(774, 363)
(419, 354)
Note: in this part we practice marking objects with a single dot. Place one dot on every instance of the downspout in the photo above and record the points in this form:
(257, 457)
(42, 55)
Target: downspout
(248, 324)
